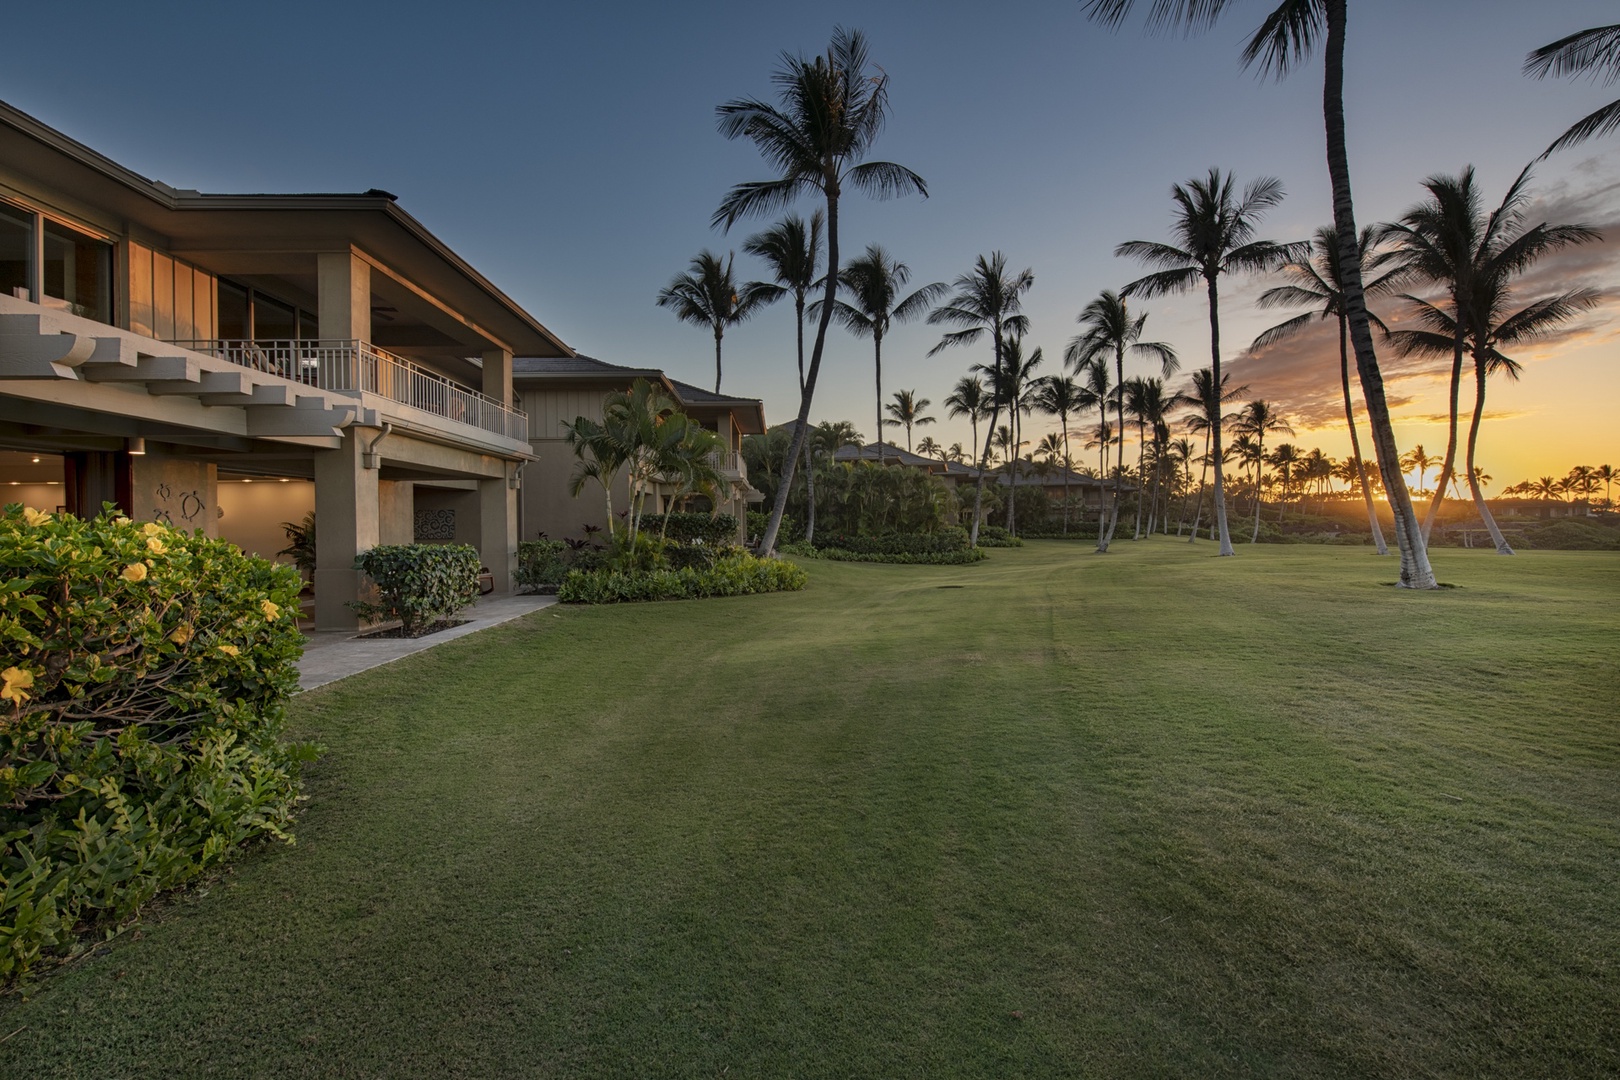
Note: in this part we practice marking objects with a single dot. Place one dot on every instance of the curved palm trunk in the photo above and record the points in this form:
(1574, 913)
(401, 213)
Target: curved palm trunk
(1141, 473)
(1215, 421)
(1063, 418)
(1451, 433)
(984, 458)
(1102, 478)
(767, 543)
(1355, 442)
(1105, 536)
(1416, 572)
(1485, 515)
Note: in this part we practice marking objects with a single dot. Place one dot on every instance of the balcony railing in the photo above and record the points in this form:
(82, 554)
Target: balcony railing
(729, 461)
(359, 366)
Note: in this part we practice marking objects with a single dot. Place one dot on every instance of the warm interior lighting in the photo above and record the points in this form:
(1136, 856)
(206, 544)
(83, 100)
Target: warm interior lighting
(246, 481)
(137, 445)
(36, 459)
(284, 480)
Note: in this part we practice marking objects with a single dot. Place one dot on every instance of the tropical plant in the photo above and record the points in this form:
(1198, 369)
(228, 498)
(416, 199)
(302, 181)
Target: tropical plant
(988, 302)
(301, 544)
(1206, 416)
(1286, 459)
(1214, 229)
(421, 585)
(708, 295)
(1060, 396)
(1014, 387)
(907, 410)
(1288, 35)
(969, 398)
(830, 113)
(929, 448)
(1419, 459)
(874, 281)
(1258, 419)
(1594, 52)
(1110, 330)
(1476, 261)
(1318, 281)
(792, 250)
(1147, 402)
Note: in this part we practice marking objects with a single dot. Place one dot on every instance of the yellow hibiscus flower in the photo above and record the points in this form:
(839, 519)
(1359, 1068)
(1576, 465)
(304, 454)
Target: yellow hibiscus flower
(230, 650)
(154, 545)
(16, 683)
(152, 528)
(271, 610)
(35, 517)
(134, 572)
(180, 635)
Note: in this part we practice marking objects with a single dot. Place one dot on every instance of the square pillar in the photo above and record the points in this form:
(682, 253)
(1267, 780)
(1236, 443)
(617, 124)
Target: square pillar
(347, 522)
(343, 296)
(498, 530)
(498, 375)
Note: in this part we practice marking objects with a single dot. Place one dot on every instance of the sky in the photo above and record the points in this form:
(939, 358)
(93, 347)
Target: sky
(569, 152)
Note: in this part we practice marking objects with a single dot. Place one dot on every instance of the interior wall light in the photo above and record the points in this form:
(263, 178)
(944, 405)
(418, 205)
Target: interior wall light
(137, 445)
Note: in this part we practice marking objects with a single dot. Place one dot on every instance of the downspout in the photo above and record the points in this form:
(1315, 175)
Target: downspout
(368, 457)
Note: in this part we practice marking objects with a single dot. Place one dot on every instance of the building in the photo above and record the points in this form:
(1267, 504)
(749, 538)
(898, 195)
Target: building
(229, 362)
(556, 390)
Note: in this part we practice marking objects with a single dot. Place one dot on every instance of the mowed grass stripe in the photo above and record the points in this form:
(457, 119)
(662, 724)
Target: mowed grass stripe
(1152, 813)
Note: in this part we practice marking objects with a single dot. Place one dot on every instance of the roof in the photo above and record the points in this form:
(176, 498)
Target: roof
(579, 367)
(206, 227)
(896, 455)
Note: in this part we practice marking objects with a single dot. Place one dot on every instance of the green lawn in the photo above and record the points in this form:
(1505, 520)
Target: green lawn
(1147, 814)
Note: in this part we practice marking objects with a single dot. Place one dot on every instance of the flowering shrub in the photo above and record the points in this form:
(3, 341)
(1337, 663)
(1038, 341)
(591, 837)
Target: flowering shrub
(143, 676)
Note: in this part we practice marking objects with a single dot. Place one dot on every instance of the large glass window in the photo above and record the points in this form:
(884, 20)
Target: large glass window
(272, 320)
(233, 312)
(77, 273)
(16, 250)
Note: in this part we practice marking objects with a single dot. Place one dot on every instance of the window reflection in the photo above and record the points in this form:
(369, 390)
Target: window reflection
(77, 273)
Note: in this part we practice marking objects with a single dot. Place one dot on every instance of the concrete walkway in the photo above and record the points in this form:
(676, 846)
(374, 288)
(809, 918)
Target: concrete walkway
(336, 654)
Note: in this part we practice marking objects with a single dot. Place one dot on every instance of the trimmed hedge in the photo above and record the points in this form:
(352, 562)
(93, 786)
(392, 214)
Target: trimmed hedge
(418, 584)
(945, 540)
(734, 575)
(932, 558)
(696, 528)
(996, 536)
(542, 564)
(141, 713)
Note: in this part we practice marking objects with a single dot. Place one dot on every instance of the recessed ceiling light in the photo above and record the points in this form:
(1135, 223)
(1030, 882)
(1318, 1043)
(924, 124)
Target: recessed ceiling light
(36, 459)
(246, 481)
(284, 480)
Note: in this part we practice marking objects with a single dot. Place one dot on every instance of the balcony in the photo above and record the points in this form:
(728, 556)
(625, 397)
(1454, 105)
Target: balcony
(731, 465)
(354, 367)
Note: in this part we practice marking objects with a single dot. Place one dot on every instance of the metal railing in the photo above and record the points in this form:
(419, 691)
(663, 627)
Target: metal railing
(349, 366)
(730, 461)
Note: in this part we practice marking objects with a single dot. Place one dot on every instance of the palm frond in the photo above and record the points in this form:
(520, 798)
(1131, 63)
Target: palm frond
(1163, 283)
(1286, 37)
(1156, 254)
(1594, 52)
(886, 180)
(1285, 329)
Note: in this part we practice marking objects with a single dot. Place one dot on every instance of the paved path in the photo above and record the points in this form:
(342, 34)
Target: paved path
(336, 654)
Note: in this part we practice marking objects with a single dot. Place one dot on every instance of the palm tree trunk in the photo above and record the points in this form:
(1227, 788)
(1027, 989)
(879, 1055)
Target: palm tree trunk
(1012, 470)
(1068, 470)
(718, 334)
(767, 543)
(1203, 478)
(1259, 464)
(1105, 536)
(1485, 515)
(1355, 441)
(809, 449)
(1416, 573)
(1215, 421)
(1451, 433)
(984, 459)
(877, 366)
(1141, 473)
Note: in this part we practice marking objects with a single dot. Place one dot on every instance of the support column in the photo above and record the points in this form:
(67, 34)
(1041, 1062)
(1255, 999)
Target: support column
(343, 295)
(498, 375)
(497, 530)
(346, 518)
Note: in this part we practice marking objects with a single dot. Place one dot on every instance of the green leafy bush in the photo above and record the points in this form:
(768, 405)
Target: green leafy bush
(734, 575)
(542, 564)
(693, 528)
(418, 584)
(1572, 535)
(952, 538)
(996, 536)
(928, 558)
(141, 713)
(792, 527)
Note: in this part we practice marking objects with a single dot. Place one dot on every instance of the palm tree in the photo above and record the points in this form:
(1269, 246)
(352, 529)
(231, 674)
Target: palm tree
(1317, 281)
(874, 280)
(708, 295)
(1594, 52)
(989, 302)
(929, 448)
(1417, 458)
(1484, 258)
(968, 398)
(1180, 452)
(1605, 476)
(792, 250)
(1110, 330)
(956, 453)
(1287, 36)
(1206, 418)
(907, 411)
(1215, 230)
(1287, 460)
(831, 112)
(1145, 399)
(1060, 396)
(1015, 387)
(1258, 419)
(691, 467)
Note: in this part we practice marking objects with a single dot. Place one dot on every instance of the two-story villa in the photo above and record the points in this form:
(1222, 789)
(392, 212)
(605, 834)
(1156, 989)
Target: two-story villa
(229, 362)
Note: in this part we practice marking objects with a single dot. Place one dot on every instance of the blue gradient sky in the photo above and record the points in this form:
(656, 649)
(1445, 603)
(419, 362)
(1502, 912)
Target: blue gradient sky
(569, 152)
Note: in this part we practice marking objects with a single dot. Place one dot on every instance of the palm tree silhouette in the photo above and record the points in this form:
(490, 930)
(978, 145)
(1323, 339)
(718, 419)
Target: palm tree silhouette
(792, 250)
(831, 112)
(874, 281)
(907, 411)
(1014, 386)
(708, 295)
(1258, 419)
(1594, 52)
(969, 398)
(1476, 261)
(1060, 396)
(1317, 281)
(1205, 418)
(1285, 39)
(1145, 399)
(1215, 231)
(1111, 330)
(989, 301)
(1419, 459)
